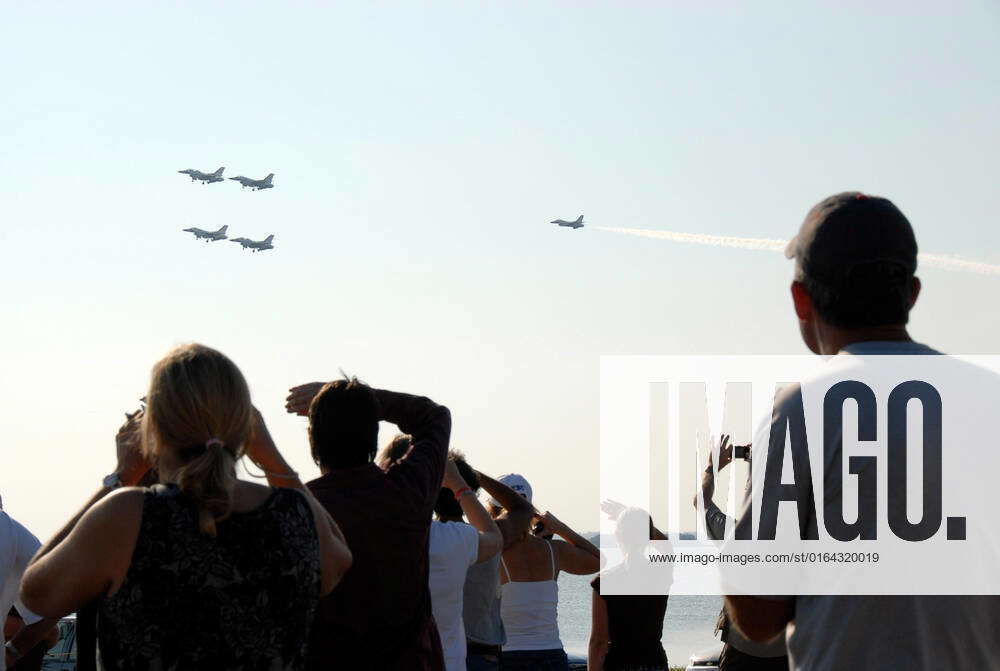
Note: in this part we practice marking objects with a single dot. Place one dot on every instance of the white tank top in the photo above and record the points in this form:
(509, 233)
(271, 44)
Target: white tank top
(529, 611)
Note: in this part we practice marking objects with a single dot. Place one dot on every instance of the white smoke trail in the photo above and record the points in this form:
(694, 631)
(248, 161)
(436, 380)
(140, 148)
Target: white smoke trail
(958, 264)
(943, 261)
(761, 244)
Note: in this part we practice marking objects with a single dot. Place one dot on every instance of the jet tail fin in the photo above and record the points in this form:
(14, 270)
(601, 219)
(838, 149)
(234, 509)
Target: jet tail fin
(268, 239)
(218, 173)
(223, 229)
(579, 220)
(267, 180)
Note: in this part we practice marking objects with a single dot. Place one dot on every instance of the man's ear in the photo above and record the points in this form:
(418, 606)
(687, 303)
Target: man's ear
(914, 291)
(803, 302)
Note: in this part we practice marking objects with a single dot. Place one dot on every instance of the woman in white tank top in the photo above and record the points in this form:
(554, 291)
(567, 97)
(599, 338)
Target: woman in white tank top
(529, 598)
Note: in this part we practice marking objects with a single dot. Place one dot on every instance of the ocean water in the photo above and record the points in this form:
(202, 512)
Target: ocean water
(688, 627)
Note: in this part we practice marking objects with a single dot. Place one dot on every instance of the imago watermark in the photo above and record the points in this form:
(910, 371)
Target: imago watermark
(852, 474)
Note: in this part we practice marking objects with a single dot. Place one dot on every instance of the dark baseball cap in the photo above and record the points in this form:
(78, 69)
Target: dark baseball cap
(852, 229)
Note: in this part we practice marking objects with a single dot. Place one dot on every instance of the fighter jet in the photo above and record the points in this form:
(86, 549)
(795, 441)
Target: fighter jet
(209, 236)
(207, 178)
(257, 246)
(255, 184)
(572, 224)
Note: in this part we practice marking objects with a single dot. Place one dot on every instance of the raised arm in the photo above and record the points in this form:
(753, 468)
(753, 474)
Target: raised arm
(490, 541)
(715, 519)
(614, 508)
(418, 416)
(335, 556)
(88, 558)
(92, 552)
(760, 619)
(576, 554)
(422, 418)
(515, 521)
(429, 424)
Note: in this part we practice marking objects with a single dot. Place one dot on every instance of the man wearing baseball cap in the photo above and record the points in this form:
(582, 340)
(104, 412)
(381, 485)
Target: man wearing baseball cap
(855, 284)
(855, 259)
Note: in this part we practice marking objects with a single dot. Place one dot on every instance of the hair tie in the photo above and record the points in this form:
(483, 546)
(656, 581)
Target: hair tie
(214, 442)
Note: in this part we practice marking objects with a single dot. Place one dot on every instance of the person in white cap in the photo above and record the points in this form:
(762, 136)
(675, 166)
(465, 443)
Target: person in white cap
(529, 597)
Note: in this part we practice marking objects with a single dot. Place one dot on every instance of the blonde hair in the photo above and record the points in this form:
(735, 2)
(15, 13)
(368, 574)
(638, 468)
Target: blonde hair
(198, 405)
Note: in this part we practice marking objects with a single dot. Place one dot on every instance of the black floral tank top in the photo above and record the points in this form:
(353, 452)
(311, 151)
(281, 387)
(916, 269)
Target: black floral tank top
(242, 600)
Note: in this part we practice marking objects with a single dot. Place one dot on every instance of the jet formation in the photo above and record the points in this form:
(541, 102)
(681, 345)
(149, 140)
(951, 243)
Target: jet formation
(577, 223)
(214, 236)
(210, 177)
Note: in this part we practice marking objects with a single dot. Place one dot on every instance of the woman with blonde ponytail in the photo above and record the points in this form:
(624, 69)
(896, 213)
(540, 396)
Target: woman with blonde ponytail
(198, 418)
(201, 571)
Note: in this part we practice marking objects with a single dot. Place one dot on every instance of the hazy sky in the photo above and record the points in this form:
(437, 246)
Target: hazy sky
(419, 151)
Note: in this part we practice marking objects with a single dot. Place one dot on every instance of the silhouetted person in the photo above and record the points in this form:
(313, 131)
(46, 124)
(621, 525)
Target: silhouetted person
(484, 628)
(455, 546)
(529, 601)
(738, 653)
(380, 617)
(626, 628)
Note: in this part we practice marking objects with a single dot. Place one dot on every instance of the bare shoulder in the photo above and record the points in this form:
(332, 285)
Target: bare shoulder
(120, 505)
(120, 512)
(528, 549)
(562, 549)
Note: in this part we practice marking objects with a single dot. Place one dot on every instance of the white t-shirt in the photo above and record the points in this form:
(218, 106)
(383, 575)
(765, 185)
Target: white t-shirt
(17, 547)
(454, 547)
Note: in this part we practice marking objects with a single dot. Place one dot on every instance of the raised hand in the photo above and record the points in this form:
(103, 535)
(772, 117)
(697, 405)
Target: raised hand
(453, 480)
(132, 463)
(708, 477)
(549, 525)
(612, 508)
(725, 452)
(299, 398)
(260, 449)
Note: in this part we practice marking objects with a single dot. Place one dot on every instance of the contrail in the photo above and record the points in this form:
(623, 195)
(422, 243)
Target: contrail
(943, 261)
(761, 244)
(958, 264)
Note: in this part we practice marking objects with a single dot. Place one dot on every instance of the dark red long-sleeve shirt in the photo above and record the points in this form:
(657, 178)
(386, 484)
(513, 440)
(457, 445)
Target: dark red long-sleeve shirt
(379, 616)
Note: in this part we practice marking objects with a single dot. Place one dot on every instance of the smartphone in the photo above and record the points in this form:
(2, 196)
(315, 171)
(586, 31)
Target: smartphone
(741, 452)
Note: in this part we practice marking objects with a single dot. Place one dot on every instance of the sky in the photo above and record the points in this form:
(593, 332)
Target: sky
(419, 152)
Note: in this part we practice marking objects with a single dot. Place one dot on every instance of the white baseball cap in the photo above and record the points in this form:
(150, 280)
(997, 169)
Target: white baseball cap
(516, 482)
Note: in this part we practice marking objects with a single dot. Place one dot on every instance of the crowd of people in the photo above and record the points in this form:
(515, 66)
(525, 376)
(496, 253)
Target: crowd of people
(391, 561)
